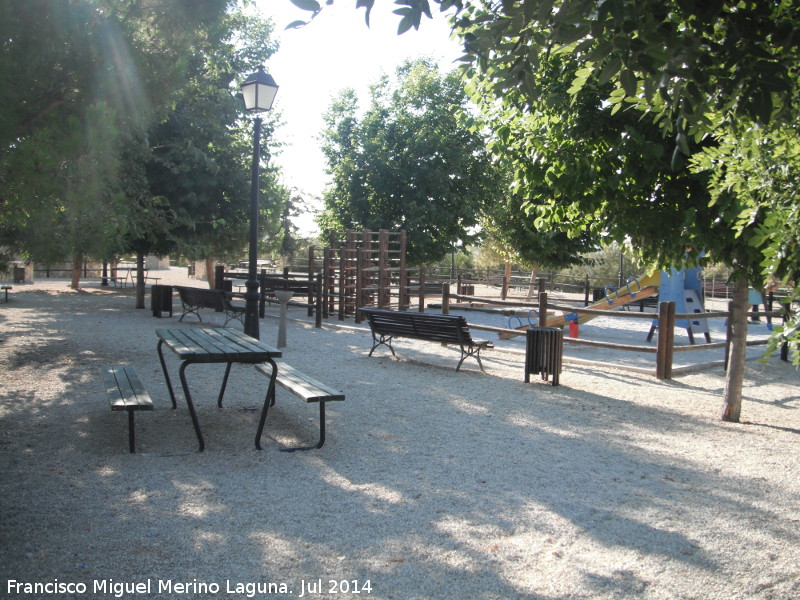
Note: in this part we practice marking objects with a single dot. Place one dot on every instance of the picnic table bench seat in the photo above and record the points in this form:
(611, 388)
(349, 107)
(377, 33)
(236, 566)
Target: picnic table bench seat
(193, 299)
(126, 392)
(446, 329)
(304, 387)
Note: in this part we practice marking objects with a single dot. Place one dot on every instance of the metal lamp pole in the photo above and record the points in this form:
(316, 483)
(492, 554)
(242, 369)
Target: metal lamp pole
(252, 294)
(258, 93)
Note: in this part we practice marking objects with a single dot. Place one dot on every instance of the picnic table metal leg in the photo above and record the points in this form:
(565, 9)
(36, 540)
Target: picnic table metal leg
(224, 383)
(189, 402)
(166, 375)
(268, 400)
(131, 432)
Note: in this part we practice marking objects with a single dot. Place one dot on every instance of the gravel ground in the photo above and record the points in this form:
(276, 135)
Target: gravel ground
(431, 484)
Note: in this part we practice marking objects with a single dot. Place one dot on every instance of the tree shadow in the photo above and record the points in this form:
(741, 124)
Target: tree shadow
(448, 484)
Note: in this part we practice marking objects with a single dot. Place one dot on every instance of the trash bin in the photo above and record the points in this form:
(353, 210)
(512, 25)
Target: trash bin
(543, 352)
(19, 274)
(161, 299)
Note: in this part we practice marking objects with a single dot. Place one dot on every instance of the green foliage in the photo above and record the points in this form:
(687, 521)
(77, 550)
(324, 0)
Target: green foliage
(649, 84)
(408, 163)
(753, 174)
(119, 129)
(512, 233)
(593, 173)
(604, 265)
(199, 154)
(79, 81)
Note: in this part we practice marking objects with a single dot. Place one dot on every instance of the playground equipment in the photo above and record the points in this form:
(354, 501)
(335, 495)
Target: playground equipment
(684, 288)
(634, 291)
(572, 319)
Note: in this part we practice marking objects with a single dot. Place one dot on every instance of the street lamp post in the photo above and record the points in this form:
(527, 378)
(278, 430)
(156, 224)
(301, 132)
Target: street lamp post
(258, 91)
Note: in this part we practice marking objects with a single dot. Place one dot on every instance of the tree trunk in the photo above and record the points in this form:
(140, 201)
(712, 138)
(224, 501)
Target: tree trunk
(77, 267)
(732, 403)
(532, 289)
(210, 271)
(139, 280)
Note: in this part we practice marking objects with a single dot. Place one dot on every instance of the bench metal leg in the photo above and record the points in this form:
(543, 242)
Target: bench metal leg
(471, 352)
(131, 432)
(269, 400)
(191, 310)
(383, 341)
(321, 433)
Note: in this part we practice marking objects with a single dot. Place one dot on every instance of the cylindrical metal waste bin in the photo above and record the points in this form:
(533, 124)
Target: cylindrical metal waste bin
(161, 299)
(543, 352)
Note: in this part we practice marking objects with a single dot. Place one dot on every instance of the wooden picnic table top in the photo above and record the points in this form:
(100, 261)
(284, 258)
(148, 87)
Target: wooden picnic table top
(216, 344)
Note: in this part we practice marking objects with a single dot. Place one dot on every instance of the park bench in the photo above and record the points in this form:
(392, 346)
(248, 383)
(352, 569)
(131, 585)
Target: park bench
(5, 289)
(446, 329)
(304, 387)
(126, 392)
(193, 299)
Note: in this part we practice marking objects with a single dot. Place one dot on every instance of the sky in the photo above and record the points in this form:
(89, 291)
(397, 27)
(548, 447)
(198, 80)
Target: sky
(336, 51)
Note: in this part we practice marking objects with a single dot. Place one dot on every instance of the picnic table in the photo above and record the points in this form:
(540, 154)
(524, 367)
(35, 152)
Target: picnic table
(125, 275)
(214, 345)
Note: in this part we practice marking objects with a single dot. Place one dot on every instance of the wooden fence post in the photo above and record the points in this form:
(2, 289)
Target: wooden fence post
(587, 291)
(361, 264)
(319, 303)
(342, 282)
(326, 288)
(421, 292)
(445, 298)
(666, 340)
(542, 309)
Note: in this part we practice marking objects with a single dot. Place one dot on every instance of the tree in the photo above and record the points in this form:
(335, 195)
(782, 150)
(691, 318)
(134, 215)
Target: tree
(78, 81)
(753, 172)
(702, 72)
(199, 152)
(409, 163)
(698, 73)
(515, 238)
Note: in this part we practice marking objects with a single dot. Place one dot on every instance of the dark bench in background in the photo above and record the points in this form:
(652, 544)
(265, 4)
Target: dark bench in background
(193, 299)
(446, 329)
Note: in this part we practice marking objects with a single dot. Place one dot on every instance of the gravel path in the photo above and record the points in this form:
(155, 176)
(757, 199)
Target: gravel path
(432, 484)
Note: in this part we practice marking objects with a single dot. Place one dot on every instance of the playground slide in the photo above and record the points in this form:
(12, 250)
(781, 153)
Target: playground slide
(648, 287)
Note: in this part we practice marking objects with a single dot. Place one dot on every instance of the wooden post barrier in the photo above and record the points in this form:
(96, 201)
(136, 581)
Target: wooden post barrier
(326, 286)
(421, 292)
(445, 298)
(666, 340)
(342, 267)
(542, 309)
(319, 302)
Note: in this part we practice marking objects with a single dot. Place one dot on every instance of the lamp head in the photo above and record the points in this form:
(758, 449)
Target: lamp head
(259, 91)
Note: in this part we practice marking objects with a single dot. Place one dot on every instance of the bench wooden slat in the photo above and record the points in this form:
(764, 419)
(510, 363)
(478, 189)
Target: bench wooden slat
(125, 391)
(301, 385)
